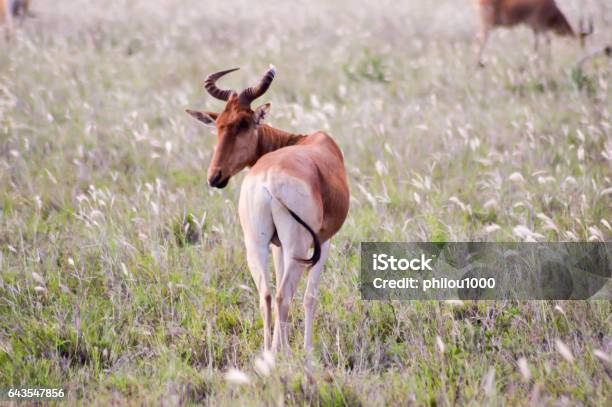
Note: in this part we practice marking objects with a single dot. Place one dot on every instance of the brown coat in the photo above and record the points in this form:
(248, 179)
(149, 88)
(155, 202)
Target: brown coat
(540, 15)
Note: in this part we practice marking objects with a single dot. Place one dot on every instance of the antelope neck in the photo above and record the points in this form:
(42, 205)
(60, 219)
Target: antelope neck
(270, 139)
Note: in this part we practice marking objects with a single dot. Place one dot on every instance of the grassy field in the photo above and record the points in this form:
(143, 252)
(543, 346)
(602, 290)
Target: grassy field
(104, 294)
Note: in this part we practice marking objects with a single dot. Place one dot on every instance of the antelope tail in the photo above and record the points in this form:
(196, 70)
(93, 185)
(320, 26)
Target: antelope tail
(316, 255)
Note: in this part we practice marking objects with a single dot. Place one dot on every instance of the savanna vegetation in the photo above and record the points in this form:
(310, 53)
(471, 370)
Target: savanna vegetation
(123, 277)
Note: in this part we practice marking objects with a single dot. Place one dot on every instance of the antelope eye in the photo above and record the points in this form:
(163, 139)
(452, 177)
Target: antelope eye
(243, 124)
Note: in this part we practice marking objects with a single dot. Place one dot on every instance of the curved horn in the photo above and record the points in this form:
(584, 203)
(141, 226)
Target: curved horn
(214, 91)
(250, 94)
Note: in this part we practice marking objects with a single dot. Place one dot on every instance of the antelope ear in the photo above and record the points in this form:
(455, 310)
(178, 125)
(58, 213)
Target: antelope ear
(261, 112)
(208, 118)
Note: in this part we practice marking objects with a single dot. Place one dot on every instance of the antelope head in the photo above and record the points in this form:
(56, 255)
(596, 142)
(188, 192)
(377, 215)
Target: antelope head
(585, 29)
(236, 125)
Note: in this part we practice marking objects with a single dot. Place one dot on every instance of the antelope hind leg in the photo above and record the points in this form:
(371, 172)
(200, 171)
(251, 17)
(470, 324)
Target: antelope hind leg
(310, 300)
(295, 241)
(258, 229)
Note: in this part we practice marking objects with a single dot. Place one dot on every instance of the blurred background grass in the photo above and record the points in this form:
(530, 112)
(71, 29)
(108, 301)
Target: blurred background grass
(123, 275)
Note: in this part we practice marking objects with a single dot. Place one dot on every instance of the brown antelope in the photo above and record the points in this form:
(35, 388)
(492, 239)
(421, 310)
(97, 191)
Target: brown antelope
(541, 16)
(6, 17)
(294, 196)
(10, 9)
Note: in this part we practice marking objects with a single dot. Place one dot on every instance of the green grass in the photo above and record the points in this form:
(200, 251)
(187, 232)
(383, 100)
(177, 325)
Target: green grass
(104, 292)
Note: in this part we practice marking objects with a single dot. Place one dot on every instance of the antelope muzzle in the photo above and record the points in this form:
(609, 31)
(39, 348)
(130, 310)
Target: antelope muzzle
(218, 179)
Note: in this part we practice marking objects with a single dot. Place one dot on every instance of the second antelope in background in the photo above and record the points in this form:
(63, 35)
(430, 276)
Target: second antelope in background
(10, 9)
(294, 197)
(542, 16)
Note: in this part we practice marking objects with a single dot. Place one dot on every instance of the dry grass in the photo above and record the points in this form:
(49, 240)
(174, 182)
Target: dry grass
(102, 292)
